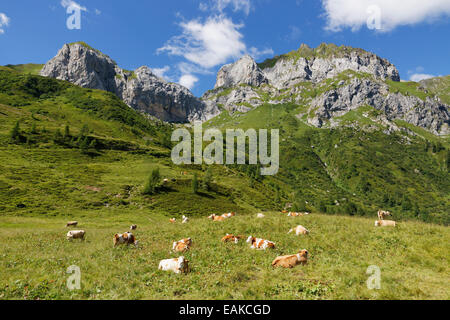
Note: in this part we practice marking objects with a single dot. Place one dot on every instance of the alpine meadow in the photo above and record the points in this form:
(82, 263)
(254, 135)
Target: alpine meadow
(346, 196)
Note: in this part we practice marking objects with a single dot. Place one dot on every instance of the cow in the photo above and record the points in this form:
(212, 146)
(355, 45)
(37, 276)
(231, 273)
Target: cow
(383, 214)
(232, 238)
(284, 211)
(229, 215)
(72, 224)
(260, 216)
(294, 214)
(185, 219)
(173, 220)
(76, 234)
(385, 223)
(214, 217)
(299, 230)
(125, 238)
(291, 261)
(133, 227)
(180, 265)
(182, 245)
(260, 244)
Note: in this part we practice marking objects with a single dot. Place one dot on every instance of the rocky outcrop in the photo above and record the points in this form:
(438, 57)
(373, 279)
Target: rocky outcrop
(429, 114)
(294, 68)
(140, 89)
(244, 71)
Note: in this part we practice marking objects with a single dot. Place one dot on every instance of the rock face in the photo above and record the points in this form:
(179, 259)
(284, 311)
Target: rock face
(330, 80)
(429, 114)
(141, 89)
(244, 71)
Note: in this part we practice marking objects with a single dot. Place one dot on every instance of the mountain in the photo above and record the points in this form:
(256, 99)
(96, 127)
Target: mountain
(331, 81)
(141, 89)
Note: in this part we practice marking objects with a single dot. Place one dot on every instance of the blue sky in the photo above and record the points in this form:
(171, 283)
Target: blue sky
(187, 41)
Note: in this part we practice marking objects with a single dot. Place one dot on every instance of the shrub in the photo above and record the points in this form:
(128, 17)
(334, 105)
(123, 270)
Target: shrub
(153, 182)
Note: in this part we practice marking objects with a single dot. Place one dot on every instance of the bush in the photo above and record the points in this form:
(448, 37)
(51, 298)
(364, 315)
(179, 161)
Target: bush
(153, 182)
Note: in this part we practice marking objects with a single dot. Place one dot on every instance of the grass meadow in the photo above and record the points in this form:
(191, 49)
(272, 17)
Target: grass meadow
(35, 255)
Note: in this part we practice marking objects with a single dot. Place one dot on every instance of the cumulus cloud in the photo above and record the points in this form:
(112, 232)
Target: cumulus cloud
(416, 77)
(221, 5)
(355, 14)
(72, 4)
(188, 80)
(162, 72)
(207, 44)
(4, 22)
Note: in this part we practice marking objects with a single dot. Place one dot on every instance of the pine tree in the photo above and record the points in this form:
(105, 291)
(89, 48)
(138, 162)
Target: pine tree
(207, 179)
(195, 184)
(66, 132)
(15, 133)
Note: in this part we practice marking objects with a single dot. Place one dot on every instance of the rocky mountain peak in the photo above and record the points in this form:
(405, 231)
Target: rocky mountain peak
(141, 89)
(243, 71)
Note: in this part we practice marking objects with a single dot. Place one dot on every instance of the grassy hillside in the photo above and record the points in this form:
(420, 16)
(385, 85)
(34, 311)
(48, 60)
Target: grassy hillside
(355, 171)
(35, 255)
(29, 68)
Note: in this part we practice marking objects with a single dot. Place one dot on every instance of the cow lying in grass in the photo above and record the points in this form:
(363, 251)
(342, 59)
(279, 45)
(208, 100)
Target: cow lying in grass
(180, 265)
(232, 238)
(214, 217)
(133, 227)
(76, 234)
(185, 220)
(299, 230)
(292, 260)
(383, 214)
(182, 245)
(173, 220)
(260, 244)
(385, 223)
(72, 224)
(125, 238)
(229, 215)
(260, 216)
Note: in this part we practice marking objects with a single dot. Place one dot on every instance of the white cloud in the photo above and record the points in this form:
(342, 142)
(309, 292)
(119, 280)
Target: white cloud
(188, 80)
(221, 5)
(4, 22)
(162, 72)
(71, 3)
(416, 77)
(354, 14)
(98, 12)
(207, 44)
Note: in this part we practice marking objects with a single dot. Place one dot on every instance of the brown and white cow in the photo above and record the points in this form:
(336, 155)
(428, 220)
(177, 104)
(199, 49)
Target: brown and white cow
(173, 220)
(180, 265)
(229, 215)
(182, 245)
(383, 214)
(292, 260)
(76, 234)
(295, 214)
(299, 230)
(260, 244)
(232, 238)
(126, 238)
(214, 217)
(385, 223)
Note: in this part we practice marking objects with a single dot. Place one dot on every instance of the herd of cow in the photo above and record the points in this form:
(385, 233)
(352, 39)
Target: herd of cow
(181, 265)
